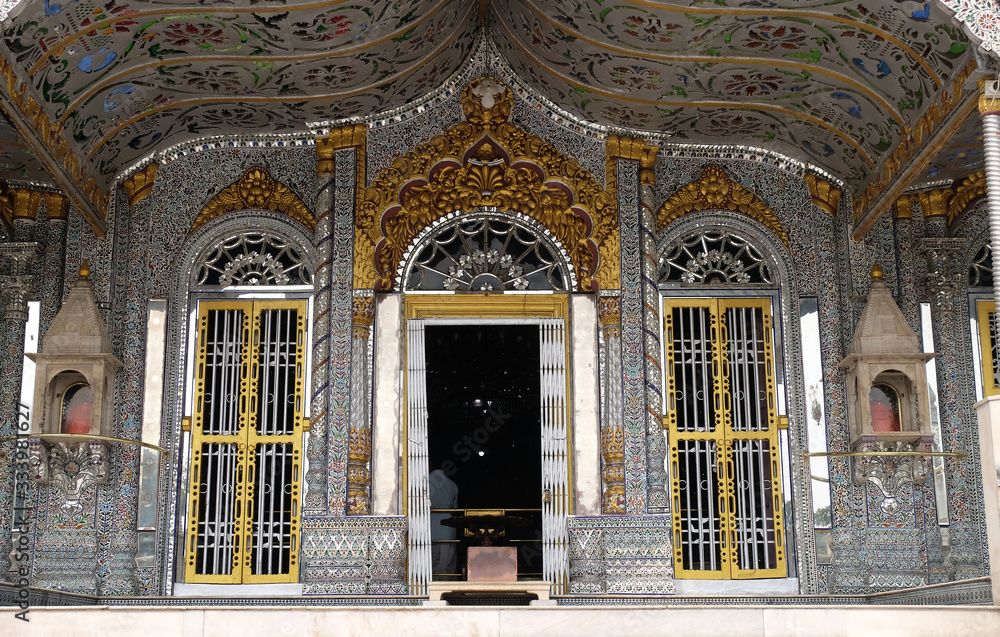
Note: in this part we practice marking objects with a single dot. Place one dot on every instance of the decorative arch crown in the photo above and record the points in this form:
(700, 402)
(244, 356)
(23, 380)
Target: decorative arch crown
(714, 190)
(484, 163)
(256, 189)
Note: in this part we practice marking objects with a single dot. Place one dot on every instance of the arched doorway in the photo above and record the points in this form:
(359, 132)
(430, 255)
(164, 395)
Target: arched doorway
(487, 403)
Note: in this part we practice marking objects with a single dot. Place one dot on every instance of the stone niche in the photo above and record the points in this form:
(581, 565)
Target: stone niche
(886, 376)
(74, 391)
(74, 373)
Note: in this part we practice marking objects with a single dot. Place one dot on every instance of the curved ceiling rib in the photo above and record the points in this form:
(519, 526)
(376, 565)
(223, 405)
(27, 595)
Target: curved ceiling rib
(772, 12)
(836, 84)
(704, 59)
(346, 51)
(702, 104)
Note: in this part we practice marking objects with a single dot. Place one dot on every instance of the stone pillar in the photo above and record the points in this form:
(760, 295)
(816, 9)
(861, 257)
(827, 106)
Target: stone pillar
(630, 176)
(17, 283)
(609, 317)
(988, 410)
(656, 441)
(341, 155)
(316, 499)
(120, 577)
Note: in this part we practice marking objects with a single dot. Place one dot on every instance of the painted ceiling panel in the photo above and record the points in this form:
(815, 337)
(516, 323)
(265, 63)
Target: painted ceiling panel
(834, 83)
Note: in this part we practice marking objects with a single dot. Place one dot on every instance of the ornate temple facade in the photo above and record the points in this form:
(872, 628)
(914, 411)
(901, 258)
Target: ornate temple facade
(720, 345)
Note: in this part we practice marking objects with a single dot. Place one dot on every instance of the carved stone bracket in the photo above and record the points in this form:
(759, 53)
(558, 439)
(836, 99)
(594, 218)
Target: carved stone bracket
(70, 466)
(877, 465)
(944, 270)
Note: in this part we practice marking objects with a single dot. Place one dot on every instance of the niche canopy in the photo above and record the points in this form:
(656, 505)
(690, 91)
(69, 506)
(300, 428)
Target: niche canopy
(886, 376)
(74, 373)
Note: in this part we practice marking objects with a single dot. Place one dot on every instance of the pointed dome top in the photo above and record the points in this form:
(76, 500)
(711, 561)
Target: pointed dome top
(882, 328)
(78, 327)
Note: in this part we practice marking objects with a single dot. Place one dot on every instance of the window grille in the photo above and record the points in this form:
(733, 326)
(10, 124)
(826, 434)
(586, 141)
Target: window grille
(246, 442)
(253, 258)
(723, 430)
(714, 257)
(487, 252)
(989, 356)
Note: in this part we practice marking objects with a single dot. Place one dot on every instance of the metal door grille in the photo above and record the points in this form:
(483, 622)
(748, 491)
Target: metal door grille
(247, 442)
(722, 422)
(986, 316)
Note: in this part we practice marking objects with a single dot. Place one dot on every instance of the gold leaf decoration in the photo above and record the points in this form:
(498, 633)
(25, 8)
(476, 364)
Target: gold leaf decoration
(972, 187)
(256, 189)
(484, 161)
(713, 190)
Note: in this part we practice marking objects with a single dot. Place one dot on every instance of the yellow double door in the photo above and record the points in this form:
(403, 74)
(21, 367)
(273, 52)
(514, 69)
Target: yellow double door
(722, 423)
(247, 423)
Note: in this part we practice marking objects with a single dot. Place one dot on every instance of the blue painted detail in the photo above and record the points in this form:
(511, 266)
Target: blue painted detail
(97, 61)
(110, 103)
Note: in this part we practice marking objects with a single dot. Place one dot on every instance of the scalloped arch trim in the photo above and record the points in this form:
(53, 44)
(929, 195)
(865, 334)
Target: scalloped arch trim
(714, 190)
(256, 190)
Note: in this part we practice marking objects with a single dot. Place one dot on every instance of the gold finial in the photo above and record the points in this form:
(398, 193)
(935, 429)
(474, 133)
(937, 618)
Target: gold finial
(84, 271)
(877, 272)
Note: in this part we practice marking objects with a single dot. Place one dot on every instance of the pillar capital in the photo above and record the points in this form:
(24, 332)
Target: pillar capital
(944, 270)
(350, 136)
(140, 184)
(621, 147)
(989, 96)
(825, 195)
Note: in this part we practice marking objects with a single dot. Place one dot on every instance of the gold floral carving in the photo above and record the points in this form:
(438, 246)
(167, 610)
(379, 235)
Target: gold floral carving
(609, 311)
(934, 203)
(363, 316)
(911, 143)
(825, 195)
(56, 205)
(904, 207)
(972, 187)
(713, 190)
(351, 136)
(613, 471)
(140, 184)
(989, 104)
(256, 189)
(22, 203)
(51, 137)
(359, 452)
(483, 161)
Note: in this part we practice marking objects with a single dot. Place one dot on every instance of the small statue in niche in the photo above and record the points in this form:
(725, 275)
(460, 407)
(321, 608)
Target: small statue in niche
(77, 409)
(884, 408)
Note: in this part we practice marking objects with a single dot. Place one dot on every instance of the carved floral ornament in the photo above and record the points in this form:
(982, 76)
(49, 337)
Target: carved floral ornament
(256, 189)
(713, 190)
(485, 162)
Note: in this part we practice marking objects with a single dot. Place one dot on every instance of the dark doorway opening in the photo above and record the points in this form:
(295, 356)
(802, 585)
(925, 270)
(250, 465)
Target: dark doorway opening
(484, 434)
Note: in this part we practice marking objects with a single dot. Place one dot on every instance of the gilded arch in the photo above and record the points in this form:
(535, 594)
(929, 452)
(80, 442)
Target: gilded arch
(256, 189)
(486, 162)
(713, 190)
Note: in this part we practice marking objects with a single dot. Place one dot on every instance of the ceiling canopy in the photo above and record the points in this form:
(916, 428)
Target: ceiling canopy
(862, 91)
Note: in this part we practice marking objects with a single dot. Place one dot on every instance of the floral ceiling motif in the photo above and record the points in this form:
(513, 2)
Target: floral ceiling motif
(838, 84)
